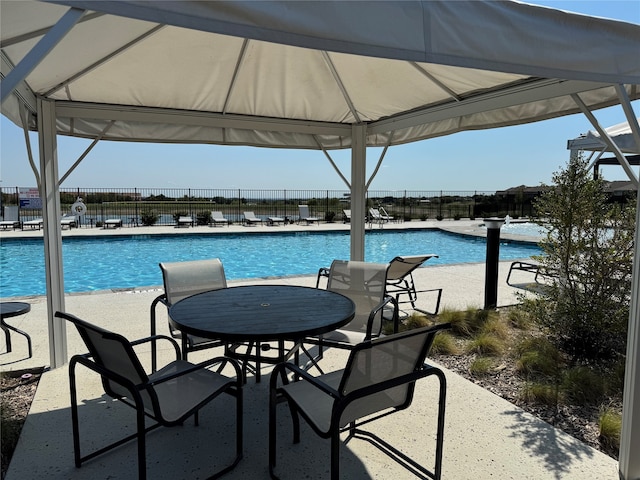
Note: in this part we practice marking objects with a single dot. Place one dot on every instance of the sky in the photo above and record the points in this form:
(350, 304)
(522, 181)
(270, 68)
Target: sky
(486, 160)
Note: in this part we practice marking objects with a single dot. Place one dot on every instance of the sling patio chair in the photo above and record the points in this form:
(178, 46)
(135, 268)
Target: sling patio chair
(364, 283)
(378, 380)
(217, 218)
(113, 222)
(346, 216)
(68, 221)
(37, 222)
(400, 282)
(250, 219)
(275, 220)
(168, 397)
(181, 280)
(305, 216)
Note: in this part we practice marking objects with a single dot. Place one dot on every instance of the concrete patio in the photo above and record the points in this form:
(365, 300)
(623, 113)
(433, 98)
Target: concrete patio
(485, 436)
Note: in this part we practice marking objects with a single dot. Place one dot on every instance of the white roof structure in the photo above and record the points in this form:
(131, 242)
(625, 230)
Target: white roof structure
(317, 75)
(621, 135)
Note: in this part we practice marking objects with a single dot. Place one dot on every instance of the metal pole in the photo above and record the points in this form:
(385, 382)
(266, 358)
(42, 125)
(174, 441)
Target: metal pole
(491, 266)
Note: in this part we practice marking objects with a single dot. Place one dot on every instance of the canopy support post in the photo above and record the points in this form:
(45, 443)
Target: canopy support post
(358, 189)
(52, 236)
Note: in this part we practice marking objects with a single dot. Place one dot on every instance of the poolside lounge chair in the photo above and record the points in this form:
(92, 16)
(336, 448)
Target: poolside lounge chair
(181, 280)
(113, 222)
(400, 281)
(533, 277)
(33, 223)
(375, 216)
(217, 218)
(68, 221)
(250, 218)
(11, 218)
(185, 221)
(275, 220)
(168, 397)
(346, 216)
(6, 224)
(378, 380)
(304, 215)
(364, 283)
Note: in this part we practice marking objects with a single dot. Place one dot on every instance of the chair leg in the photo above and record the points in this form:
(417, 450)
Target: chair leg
(74, 416)
(273, 401)
(142, 447)
(335, 455)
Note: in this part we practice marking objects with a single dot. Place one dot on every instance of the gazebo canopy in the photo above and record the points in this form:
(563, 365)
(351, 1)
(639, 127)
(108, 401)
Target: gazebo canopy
(300, 74)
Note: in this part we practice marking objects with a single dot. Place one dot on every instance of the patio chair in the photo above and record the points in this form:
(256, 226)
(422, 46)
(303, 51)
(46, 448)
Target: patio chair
(304, 215)
(250, 218)
(533, 277)
(346, 216)
(378, 380)
(217, 218)
(400, 281)
(168, 397)
(364, 283)
(181, 280)
(68, 221)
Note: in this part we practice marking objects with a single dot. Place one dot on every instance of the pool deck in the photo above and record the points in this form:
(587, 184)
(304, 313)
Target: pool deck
(485, 436)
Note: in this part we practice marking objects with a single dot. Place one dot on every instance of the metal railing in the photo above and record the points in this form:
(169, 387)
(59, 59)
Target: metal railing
(147, 206)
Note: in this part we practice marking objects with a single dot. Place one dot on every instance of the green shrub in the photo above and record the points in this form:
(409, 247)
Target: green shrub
(486, 344)
(543, 393)
(538, 356)
(444, 344)
(203, 218)
(439, 217)
(495, 326)
(481, 366)
(610, 424)
(424, 217)
(519, 318)
(582, 385)
(329, 216)
(149, 217)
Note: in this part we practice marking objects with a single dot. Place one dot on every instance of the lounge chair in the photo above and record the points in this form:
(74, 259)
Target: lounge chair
(113, 222)
(533, 277)
(304, 215)
(68, 221)
(364, 283)
(378, 380)
(167, 397)
(11, 218)
(217, 218)
(185, 221)
(250, 219)
(400, 280)
(346, 216)
(275, 220)
(6, 224)
(375, 216)
(33, 223)
(181, 280)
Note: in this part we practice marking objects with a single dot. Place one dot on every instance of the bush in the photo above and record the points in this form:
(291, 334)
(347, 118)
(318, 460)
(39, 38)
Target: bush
(543, 393)
(424, 217)
(439, 217)
(149, 217)
(486, 344)
(539, 357)
(444, 344)
(203, 218)
(481, 366)
(329, 216)
(610, 424)
(583, 386)
(590, 246)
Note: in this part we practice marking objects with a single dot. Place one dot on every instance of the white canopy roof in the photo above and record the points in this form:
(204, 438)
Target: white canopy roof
(621, 134)
(296, 74)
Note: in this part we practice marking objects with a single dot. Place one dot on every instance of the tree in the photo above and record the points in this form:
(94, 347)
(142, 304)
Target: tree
(589, 248)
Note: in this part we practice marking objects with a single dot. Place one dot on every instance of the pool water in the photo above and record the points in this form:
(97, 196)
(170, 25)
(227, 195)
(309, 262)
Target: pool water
(99, 263)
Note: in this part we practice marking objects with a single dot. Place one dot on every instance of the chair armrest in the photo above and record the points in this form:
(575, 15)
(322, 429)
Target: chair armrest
(304, 374)
(152, 338)
(376, 311)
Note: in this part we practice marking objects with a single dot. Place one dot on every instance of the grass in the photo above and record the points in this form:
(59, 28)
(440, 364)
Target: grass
(610, 424)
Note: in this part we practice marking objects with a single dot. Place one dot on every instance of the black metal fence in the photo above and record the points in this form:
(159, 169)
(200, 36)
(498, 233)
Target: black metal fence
(148, 206)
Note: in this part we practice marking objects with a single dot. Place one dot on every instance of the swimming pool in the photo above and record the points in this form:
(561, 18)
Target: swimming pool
(99, 263)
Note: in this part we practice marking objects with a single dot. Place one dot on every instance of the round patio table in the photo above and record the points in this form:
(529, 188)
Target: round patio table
(261, 313)
(13, 309)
